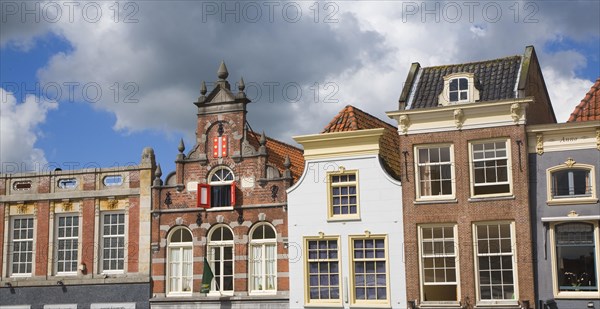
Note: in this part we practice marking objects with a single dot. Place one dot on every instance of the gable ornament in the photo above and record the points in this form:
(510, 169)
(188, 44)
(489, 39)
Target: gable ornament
(516, 111)
(570, 162)
(404, 123)
(539, 144)
(459, 118)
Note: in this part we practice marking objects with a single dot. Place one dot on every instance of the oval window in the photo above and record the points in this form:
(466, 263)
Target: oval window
(67, 183)
(113, 180)
(22, 185)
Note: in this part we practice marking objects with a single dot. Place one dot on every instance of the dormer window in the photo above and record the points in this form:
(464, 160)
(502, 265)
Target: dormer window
(458, 88)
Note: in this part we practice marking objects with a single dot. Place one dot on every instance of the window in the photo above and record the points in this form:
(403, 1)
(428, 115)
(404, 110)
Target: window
(67, 238)
(220, 257)
(220, 190)
(571, 184)
(322, 271)
(343, 195)
(490, 169)
(575, 259)
(263, 259)
(495, 262)
(113, 242)
(113, 180)
(67, 183)
(435, 172)
(22, 247)
(438, 253)
(22, 185)
(181, 259)
(369, 280)
(458, 90)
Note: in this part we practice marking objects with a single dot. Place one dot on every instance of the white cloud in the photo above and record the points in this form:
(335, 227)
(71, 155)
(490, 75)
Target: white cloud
(19, 132)
(565, 91)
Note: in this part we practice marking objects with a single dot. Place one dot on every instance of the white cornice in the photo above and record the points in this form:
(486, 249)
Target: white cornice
(563, 137)
(340, 144)
(462, 116)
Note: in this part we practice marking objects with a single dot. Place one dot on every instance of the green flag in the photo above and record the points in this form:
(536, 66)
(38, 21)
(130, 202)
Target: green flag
(207, 276)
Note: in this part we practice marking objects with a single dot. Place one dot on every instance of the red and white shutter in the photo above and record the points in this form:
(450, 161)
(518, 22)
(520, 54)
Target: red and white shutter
(220, 147)
(203, 195)
(233, 193)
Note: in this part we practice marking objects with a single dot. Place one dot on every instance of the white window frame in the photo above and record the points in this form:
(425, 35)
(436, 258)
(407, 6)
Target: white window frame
(385, 259)
(307, 260)
(331, 185)
(220, 245)
(513, 254)
(422, 257)
(181, 247)
(220, 183)
(58, 240)
(101, 257)
(569, 294)
(565, 200)
(12, 246)
(418, 195)
(262, 244)
(472, 91)
(472, 161)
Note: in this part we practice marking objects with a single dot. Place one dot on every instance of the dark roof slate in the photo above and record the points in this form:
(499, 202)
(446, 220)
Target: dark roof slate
(495, 80)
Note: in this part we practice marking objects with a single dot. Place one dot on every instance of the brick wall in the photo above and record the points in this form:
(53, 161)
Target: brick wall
(464, 212)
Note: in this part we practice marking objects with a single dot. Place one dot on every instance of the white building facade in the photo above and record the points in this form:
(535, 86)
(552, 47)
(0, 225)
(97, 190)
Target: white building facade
(346, 224)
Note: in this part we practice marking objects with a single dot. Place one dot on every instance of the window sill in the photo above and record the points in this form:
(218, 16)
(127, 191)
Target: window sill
(220, 294)
(439, 304)
(572, 201)
(498, 304)
(343, 218)
(370, 305)
(262, 293)
(435, 201)
(576, 295)
(220, 208)
(179, 294)
(491, 198)
(324, 304)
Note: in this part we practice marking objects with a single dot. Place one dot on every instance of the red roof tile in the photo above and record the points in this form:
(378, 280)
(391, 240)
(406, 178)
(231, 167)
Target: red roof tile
(277, 152)
(589, 108)
(351, 118)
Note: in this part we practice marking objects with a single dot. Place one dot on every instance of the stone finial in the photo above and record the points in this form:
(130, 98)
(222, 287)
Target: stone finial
(148, 158)
(203, 88)
(241, 85)
(157, 174)
(181, 146)
(286, 162)
(222, 73)
(263, 139)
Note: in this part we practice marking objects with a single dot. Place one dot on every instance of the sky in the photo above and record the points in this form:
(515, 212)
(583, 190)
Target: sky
(92, 83)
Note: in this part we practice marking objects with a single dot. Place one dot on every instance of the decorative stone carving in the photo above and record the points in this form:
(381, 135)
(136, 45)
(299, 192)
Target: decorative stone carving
(570, 162)
(572, 213)
(112, 204)
(539, 145)
(67, 206)
(598, 139)
(516, 112)
(22, 209)
(262, 217)
(404, 122)
(459, 118)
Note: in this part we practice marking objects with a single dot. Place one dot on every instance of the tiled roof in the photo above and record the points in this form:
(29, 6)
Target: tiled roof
(495, 80)
(351, 118)
(277, 152)
(589, 108)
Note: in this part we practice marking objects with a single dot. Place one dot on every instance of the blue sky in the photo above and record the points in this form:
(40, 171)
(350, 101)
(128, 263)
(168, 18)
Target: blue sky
(336, 53)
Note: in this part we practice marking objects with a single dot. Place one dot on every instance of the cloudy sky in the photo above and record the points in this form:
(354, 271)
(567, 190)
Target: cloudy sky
(89, 84)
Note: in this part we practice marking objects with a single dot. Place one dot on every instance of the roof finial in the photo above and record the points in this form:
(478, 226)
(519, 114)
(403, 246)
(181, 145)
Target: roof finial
(263, 139)
(181, 146)
(222, 73)
(241, 85)
(287, 162)
(158, 171)
(203, 88)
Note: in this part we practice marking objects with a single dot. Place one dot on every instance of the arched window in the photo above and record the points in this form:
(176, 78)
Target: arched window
(263, 259)
(180, 262)
(220, 257)
(571, 183)
(222, 188)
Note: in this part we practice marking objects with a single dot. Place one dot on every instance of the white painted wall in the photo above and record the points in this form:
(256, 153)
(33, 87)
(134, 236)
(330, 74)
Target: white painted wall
(380, 211)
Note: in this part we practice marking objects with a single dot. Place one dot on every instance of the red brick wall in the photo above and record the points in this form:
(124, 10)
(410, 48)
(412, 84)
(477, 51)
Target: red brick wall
(133, 246)
(41, 246)
(87, 236)
(464, 213)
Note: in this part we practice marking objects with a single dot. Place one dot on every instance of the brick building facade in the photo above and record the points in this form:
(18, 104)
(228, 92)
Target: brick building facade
(224, 204)
(465, 186)
(77, 238)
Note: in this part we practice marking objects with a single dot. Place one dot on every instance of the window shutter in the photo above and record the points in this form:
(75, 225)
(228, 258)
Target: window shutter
(233, 193)
(203, 195)
(215, 147)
